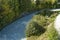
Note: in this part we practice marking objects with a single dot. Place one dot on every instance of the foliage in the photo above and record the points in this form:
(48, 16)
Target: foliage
(34, 29)
(10, 10)
(46, 4)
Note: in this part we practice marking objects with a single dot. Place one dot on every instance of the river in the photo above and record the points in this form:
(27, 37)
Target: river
(16, 30)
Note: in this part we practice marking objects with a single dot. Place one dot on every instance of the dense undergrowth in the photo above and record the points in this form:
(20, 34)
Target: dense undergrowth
(11, 10)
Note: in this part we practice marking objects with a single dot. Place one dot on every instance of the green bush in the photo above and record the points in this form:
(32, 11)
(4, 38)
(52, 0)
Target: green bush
(46, 4)
(33, 29)
(40, 19)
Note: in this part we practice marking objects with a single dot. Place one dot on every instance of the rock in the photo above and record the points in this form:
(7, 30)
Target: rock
(57, 24)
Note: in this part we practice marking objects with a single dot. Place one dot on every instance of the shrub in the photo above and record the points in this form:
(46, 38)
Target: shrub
(33, 29)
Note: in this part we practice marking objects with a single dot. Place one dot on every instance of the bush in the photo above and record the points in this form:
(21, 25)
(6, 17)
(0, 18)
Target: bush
(40, 19)
(33, 29)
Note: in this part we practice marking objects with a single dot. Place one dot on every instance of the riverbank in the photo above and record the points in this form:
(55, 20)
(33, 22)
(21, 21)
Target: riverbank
(44, 19)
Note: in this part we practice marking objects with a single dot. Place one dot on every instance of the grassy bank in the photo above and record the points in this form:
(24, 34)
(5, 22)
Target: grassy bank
(44, 20)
